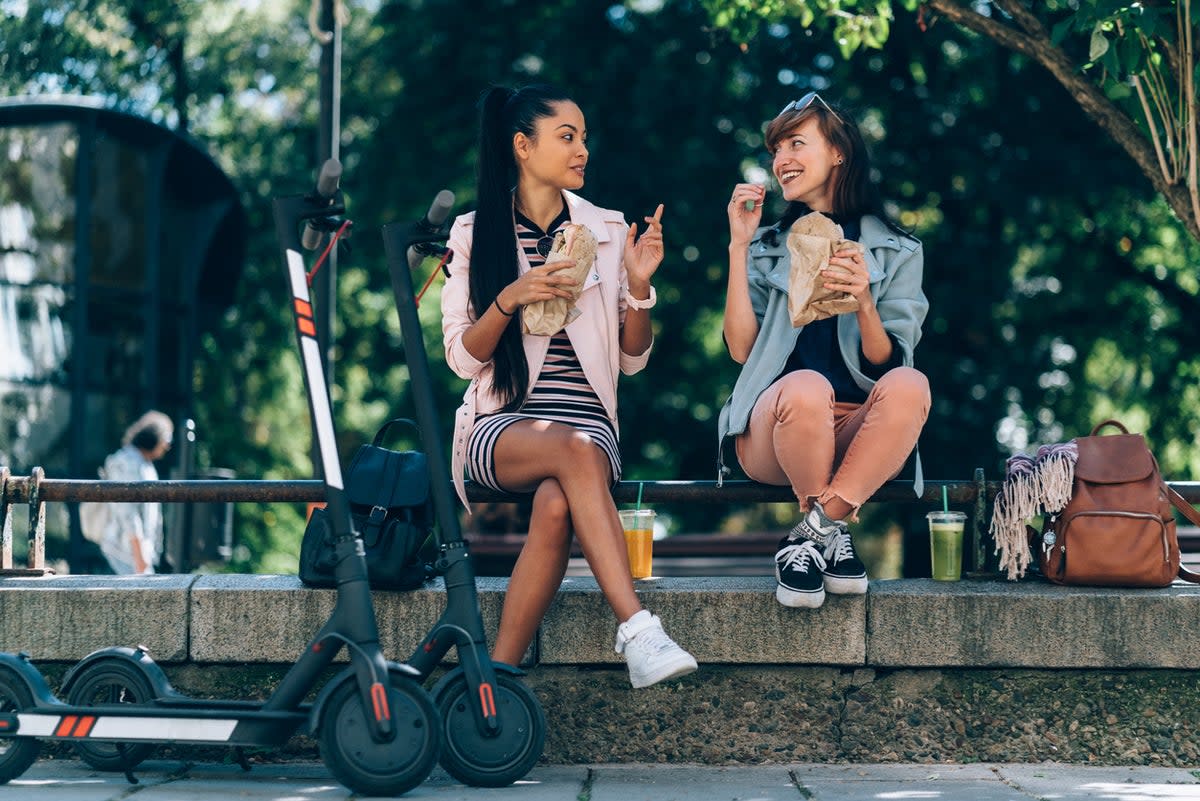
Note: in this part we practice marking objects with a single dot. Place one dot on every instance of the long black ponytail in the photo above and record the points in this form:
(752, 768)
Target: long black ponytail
(503, 113)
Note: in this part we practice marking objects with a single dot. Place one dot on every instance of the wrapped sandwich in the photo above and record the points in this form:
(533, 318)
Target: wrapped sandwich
(811, 241)
(548, 317)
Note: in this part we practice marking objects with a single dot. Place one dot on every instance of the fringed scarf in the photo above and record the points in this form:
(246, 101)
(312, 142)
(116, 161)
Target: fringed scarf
(1032, 486)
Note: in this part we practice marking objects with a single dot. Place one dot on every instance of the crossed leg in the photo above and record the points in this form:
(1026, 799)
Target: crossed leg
(570, 477)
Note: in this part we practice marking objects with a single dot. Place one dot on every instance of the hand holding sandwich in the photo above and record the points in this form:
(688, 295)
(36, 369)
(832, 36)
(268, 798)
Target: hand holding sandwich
(546, 282)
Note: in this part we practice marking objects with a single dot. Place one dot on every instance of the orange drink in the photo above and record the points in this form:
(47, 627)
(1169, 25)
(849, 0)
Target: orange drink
(639, 540)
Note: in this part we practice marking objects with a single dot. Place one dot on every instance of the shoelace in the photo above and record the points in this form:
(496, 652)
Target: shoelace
(654, 640)
(797, 554)
(839, 548)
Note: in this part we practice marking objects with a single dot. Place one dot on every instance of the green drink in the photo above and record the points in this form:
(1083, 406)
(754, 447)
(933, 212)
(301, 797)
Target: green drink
(945, 544)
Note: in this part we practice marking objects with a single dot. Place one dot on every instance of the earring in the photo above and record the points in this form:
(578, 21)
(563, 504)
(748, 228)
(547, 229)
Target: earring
(839, 161)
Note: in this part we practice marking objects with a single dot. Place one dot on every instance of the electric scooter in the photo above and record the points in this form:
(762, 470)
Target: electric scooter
(377, 726)
(493, 728)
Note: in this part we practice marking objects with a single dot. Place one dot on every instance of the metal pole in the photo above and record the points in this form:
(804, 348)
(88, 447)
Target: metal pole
(328, 134)
(81, 342)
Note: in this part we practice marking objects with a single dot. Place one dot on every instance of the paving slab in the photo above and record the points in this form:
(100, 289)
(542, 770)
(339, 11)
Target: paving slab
(690, 783)
(544, 783)
(1134, 783)
(874, 782)
(177, 780)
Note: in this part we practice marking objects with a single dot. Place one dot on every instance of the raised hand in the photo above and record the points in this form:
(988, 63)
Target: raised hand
(643, 254)
(745, 213)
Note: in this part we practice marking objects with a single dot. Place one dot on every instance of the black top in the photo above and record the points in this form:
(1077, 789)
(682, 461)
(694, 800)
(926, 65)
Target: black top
(538, 240)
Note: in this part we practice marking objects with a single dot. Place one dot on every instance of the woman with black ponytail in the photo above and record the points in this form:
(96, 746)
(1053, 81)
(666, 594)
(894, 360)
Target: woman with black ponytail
(540, 414)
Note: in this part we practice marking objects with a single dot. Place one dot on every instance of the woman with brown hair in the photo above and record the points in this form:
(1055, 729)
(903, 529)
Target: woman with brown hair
(834, 407)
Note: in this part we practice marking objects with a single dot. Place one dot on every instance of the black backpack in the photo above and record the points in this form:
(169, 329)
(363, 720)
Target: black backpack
(392, 510)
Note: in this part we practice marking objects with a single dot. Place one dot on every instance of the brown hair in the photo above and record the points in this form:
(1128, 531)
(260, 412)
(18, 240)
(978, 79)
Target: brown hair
(853, 193)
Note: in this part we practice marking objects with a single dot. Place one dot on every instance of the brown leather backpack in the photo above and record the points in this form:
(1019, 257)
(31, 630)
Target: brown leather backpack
(1118, 529)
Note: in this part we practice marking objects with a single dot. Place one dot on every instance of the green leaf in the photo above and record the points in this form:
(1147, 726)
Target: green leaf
(1060, 30)
(1112, 62)
(1099, 45)
(1119, 90)
(1133, 55)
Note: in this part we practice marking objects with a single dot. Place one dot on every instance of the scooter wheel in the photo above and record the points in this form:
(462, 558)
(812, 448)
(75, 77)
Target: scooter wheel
(373, 768)
(18, 753)
(482, 760)
(108, 682)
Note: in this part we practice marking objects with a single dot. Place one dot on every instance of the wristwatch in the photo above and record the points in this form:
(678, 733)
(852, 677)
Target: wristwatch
(641, 305)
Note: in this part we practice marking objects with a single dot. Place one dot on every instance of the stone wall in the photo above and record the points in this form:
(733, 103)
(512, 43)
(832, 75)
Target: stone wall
(916, 671)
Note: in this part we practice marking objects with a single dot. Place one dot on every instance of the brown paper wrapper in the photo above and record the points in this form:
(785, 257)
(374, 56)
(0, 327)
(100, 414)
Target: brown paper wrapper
(811, 240)
(548, 317)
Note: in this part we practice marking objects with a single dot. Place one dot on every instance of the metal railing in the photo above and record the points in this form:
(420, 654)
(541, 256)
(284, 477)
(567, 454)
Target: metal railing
(35, 491)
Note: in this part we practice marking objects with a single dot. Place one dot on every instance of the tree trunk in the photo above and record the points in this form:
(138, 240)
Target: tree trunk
(1032, 40)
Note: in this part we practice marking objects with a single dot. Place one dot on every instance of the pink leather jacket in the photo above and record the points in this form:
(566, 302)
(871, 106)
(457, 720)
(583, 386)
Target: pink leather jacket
(595, 334)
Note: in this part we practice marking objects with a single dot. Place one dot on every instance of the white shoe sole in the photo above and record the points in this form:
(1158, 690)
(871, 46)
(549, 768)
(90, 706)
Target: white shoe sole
(842, 585)
(800, 600)
(681, 665)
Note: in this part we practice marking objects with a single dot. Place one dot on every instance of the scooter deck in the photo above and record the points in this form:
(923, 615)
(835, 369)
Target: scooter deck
(152, 723)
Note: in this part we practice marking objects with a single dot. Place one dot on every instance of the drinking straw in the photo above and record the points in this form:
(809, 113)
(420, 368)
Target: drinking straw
(945, 501)
(641, 484)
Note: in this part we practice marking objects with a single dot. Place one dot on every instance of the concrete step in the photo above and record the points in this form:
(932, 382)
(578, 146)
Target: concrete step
(916, 670)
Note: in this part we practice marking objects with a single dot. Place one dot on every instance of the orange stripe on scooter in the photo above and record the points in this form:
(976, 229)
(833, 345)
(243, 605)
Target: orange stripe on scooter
(379, 700)
(487, 701)
(85, 726)
(65, 726)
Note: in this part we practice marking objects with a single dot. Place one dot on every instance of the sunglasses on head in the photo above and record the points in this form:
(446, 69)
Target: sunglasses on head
(805, 102)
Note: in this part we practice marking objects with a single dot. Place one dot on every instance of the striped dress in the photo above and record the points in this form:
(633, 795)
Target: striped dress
(561, 393)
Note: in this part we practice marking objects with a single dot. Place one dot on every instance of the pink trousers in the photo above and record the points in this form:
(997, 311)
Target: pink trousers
(799, 436)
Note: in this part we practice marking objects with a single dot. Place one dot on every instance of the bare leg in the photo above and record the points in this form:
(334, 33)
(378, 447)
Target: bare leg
(837, 509)
(529, 452)
(538, 573)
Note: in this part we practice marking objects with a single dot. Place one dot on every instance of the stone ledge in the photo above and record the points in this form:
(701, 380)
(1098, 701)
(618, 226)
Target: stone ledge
(1035, 624)
(720, 620)
(284, 615)
(907, 623)
(68, 617)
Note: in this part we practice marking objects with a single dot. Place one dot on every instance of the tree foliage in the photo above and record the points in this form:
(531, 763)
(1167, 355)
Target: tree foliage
(1130, 66)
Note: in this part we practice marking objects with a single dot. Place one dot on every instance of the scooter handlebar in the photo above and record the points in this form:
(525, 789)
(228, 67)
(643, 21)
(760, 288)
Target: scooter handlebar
(431, 223)
(327, 186)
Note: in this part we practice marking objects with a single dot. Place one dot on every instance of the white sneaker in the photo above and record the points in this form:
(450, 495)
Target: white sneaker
(649, 653)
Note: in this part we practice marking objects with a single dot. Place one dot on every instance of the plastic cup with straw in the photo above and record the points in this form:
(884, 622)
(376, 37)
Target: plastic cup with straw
(946, 540)
(638, 524)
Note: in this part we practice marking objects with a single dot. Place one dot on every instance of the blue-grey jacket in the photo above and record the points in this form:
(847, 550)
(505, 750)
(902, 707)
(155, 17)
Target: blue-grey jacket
(895, 264)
